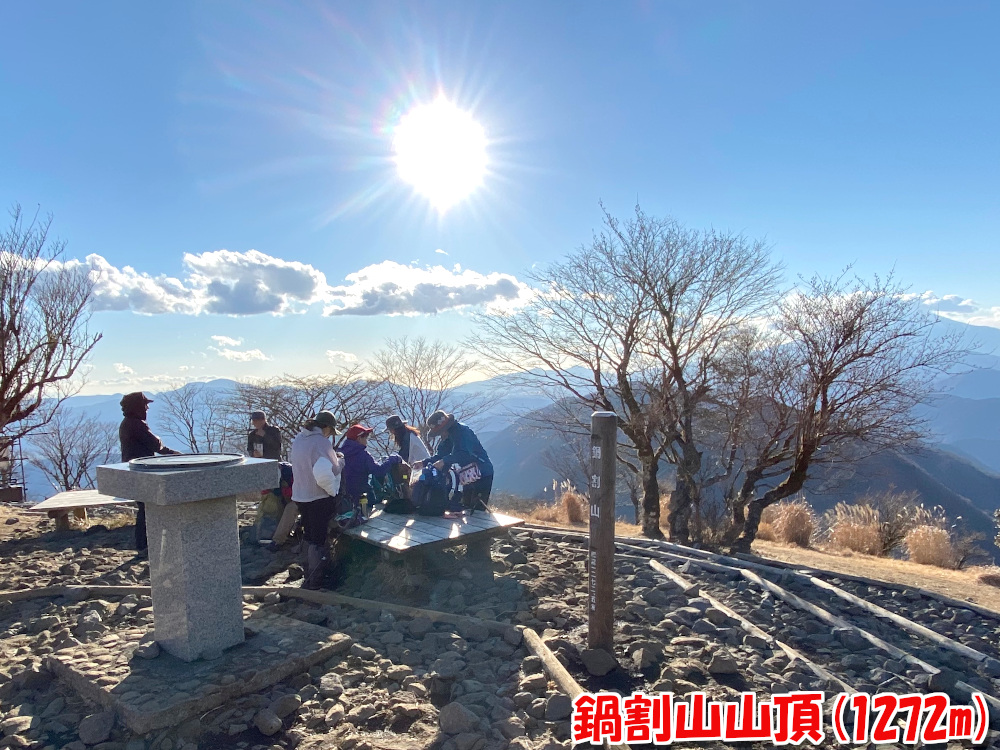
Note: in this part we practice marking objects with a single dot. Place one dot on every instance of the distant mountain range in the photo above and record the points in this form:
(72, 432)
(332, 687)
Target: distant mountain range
(959, 470)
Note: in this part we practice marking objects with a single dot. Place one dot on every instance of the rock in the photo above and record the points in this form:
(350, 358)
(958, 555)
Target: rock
(147, 650)
(510, 728)
(558, 707)
(331, 686)
(469, 741)
(755, 642)
(135, 744)
(96, 728)
(598, 661)
(294, 572)
(457, 719)
(723, 664)
(945, 680)
(398, 672)
(534, 683)
(420, 626)
(854, 661)
(286, 705)
(272, 597)
(646, 657)
(267, 722)
(15, 725)
(335, 715)
(523, 699)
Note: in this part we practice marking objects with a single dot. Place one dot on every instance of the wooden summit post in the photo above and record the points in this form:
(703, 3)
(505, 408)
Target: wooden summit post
(603, 450)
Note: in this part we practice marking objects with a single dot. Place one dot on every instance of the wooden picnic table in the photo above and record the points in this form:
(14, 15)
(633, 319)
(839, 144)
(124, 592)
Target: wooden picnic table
(76, 502)
(399, 533)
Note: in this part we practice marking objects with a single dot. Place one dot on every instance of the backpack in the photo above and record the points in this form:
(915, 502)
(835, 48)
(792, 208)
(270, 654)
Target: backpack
(432, 492)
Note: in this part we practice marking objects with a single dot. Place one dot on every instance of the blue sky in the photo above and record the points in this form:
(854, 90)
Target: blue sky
(160, 134)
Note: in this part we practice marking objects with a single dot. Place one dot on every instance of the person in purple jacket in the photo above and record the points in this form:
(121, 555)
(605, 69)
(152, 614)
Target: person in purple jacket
(359, 463)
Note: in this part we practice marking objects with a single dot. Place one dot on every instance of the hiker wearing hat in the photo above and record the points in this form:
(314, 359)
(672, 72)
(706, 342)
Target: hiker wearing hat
(318, 471)
(264, 440)
(359, 463)
(459, 445)
(138, 441)
(407, 439)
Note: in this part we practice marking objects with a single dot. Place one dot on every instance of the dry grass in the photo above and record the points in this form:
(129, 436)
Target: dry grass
(958, 584)
(794, 522)
(765, 530)
(930, 545)
(855, 536)
(573, 506)
(988, 575)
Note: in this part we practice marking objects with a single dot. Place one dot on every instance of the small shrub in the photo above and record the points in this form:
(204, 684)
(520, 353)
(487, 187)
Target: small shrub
(930, 545)
(988, 575)
(766, 532)
(794, 522)
(573, 505)
(855, 528)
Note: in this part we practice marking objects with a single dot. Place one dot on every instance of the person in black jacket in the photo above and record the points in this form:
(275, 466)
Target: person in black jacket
(138, 441)
(264, 440)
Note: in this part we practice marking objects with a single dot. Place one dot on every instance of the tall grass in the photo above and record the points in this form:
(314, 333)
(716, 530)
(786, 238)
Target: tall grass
(790, 521)
(930, 545)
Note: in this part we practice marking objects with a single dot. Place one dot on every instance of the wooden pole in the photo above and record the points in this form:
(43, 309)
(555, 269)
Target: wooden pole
(603, 445)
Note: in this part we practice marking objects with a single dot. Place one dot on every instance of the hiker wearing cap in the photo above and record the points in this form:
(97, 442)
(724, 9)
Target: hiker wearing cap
(407, 439)
(459, 445)
(264, 440)
(359, 463)
(318, 471)
(138, 441)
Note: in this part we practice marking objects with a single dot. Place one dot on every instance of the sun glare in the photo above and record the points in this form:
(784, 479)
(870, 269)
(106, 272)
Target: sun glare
(440, 151)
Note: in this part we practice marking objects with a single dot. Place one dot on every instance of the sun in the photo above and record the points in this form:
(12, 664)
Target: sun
(440, 151)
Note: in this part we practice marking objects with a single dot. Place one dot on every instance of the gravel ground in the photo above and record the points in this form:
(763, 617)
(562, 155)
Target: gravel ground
(410, 683)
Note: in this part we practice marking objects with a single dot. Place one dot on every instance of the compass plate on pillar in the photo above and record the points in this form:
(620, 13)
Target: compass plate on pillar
(184, 461)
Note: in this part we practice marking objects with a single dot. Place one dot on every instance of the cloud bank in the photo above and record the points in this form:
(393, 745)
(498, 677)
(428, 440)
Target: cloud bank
(390, 288)
(225, 282)
(222, 282)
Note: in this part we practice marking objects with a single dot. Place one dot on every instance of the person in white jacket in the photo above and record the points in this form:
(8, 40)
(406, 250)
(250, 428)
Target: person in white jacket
(316, 470)
(407, 438)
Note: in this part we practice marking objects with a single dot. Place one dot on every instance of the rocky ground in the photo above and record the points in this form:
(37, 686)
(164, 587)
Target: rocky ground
(409, 682)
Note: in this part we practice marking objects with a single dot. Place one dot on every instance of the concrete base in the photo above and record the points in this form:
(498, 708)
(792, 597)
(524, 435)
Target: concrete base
(164, 692)
(194, 572)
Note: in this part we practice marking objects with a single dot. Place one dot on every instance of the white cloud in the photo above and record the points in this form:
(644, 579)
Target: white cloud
(233, 283)
(235, 355)
(338, 356)
(222, 281)
(226, 341)
(390, 288)
(961, 309)
(123, 369)
(439, 251)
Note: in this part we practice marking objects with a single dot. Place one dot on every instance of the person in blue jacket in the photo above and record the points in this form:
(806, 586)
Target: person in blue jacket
(359, 463)
(459, 445)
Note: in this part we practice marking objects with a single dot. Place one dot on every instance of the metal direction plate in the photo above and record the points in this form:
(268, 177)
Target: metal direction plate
(185, 461)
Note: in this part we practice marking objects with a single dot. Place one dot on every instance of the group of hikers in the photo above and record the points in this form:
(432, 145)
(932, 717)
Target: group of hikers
(331, 482)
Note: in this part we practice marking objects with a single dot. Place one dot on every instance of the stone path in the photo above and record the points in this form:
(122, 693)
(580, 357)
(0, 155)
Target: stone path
(407, 682)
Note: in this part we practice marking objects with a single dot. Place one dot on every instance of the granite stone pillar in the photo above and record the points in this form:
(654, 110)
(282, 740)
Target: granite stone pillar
(194, 548)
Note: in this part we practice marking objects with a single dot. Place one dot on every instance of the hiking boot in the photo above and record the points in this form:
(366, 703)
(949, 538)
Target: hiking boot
(315, 567)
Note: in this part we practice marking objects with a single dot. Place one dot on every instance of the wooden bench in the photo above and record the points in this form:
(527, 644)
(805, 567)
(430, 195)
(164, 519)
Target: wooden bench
(398, 533)
(76, 502)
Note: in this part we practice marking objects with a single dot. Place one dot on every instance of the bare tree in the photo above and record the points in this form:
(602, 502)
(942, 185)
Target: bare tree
(71, 447)
(290, 401)
(44, 317)
(581, 337)
(201, 419)
(635, 324)
(703, 287)
(866, 355)
(421, 376)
